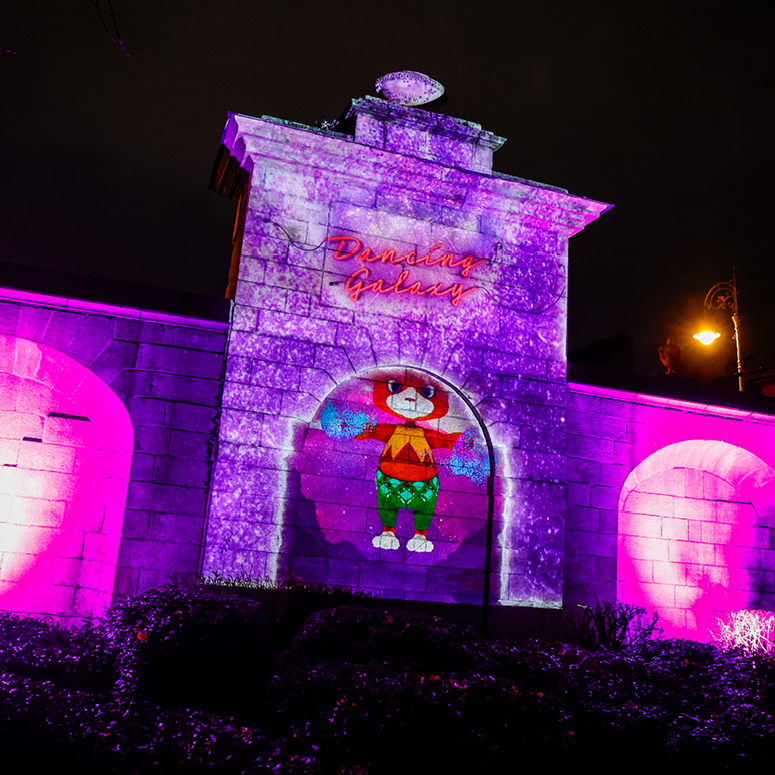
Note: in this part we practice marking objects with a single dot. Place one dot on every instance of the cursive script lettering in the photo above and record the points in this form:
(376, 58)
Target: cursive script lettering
(360, 280)
(358, 283)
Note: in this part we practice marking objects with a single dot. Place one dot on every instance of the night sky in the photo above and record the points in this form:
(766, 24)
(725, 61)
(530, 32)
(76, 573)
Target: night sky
(664, 109)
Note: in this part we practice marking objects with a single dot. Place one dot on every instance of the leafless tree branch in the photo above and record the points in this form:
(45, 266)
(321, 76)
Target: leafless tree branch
(110, 23)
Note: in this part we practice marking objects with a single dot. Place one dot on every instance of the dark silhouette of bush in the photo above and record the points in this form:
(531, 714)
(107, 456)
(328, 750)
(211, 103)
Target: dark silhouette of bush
(369, 716)
(364, 691)
(304, 600)
(43, 728)
(387, 691)
(43, 669)
(399, 640)
(609, 625)
(202, 648)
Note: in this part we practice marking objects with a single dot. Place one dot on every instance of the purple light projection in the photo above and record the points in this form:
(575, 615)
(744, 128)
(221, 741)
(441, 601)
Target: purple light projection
(395, 248)
(65, 453)
(692, 527)
(391, 490)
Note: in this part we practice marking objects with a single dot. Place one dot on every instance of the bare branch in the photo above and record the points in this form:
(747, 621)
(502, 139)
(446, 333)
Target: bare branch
(110, 23)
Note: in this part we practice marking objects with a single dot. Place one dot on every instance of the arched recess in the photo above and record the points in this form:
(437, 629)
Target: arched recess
(66, 443)
(334, 518)
(694, 534)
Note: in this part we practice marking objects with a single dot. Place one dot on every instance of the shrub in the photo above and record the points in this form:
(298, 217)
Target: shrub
(77, 659)
(368, 692)
(188, 645)
(400, 640)
(42, 728)
(307, 599)
(348, 716)
(752, 631)
(611, 625)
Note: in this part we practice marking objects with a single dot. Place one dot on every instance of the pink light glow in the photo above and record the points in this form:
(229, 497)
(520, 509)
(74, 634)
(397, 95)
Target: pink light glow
(65, 452)
(693, 533)
(102, 308)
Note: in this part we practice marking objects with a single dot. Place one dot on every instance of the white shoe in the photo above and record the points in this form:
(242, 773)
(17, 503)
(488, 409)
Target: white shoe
(386, 540)
(419, 544)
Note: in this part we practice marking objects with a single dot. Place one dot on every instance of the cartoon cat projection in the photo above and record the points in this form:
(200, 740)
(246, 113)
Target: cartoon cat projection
(407, 477)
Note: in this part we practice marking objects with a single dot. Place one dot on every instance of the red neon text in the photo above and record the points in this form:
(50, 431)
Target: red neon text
(359, 281)
(356, 285)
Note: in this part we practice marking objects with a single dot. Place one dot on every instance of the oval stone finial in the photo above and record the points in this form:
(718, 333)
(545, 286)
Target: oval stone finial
(407, 87)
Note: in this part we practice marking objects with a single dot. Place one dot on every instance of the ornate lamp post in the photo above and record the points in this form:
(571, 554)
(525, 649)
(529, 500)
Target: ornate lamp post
(724, 296)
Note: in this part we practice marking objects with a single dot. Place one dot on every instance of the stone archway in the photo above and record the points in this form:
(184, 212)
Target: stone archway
(694, 523)
(335, 516)
(66, 443)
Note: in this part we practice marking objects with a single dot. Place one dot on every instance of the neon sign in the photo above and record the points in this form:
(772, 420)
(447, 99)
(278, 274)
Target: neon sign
(360, 281)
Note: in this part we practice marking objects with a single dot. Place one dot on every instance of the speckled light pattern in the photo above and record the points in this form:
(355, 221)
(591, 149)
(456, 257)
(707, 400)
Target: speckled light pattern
(395, 247)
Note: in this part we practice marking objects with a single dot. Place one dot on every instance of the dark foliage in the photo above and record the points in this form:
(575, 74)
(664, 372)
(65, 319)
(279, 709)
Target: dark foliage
(204, 648)
(364, 691)
(307, 599)
(349, 716)
(398, 640)
(610, 625)
(80, 660)
(43, 726)
(60, 709)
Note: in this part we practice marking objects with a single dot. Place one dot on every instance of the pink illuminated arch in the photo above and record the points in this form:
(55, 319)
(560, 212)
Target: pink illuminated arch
(66, 444)
(694, 523)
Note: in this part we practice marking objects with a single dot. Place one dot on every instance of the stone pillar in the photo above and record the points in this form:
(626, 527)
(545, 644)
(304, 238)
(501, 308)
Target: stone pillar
(393, 257)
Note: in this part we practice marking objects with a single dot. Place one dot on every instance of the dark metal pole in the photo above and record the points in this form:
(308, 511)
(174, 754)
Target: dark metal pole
(488, 548)
(490, 494)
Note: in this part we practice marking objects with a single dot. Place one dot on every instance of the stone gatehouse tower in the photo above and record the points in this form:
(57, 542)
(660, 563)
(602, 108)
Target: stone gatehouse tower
(398, 326)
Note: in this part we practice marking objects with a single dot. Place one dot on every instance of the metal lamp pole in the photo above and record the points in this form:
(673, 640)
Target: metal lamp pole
(724, 296)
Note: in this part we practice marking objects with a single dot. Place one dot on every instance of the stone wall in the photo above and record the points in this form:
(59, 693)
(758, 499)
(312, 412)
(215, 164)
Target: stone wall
(671, 505)
(166, 371)
(398, 327)
(599, 449)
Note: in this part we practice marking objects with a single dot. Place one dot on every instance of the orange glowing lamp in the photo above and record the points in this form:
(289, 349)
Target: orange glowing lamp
(707, 337)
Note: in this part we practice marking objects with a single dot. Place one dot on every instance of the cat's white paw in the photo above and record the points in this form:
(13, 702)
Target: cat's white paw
(419, 544)
(386, 540)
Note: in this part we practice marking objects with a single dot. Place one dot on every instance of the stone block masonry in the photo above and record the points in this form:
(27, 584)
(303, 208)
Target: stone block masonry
(109, 421)
(393, 257)
(671, 506)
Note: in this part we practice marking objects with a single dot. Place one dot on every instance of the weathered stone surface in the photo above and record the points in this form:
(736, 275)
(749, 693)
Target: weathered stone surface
(399, 249)
(168, 377)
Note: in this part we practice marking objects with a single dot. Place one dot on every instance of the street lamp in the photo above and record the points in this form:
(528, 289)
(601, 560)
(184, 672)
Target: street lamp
(724, 296)
(707, 337)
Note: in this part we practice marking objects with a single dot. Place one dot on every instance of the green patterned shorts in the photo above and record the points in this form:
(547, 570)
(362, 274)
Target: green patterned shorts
(395, 494)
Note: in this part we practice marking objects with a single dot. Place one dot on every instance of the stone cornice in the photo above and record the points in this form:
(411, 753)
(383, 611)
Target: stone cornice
(257, 143)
